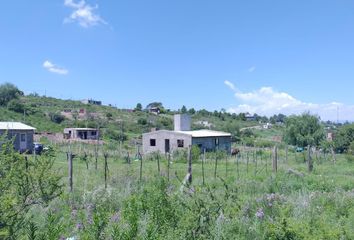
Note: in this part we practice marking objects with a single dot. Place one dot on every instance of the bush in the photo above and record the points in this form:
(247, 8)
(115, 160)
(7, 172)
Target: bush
(16, 106)
(142, 121)
(56, 118)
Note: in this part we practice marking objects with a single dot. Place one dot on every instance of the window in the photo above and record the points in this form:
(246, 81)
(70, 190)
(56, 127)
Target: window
(93, 133)
(23, 137)
(180, 143)
(152, 142)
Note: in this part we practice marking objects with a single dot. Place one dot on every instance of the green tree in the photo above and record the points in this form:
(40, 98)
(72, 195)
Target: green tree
(191, 111)
(304, 130)
(138, 107)
(8, 92)
(344, 138)
(183, 109)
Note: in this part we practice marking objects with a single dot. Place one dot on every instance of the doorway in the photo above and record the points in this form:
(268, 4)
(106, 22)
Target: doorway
(167, 145)
(23, 142)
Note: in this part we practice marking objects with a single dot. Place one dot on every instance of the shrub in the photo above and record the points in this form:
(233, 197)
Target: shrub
(16, 106)
(56, 118)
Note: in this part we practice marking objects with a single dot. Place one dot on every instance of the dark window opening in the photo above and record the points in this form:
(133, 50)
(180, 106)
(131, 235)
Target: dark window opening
(152, 142)
(93, 133)
(180, 143)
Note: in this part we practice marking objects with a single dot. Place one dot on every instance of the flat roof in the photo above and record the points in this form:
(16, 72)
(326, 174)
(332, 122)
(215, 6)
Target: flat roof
(197, 133)
(15, 126)
(206, 133)
(82, 129)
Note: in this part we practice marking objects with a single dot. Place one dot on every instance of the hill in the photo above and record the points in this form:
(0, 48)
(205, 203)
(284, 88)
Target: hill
(51, 115)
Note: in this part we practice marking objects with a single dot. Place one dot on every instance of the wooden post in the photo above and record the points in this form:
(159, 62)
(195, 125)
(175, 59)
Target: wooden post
(168, 166)
(141, 168)
(190, 165)
(70, 165)
(286, 154)
(238, 156)
(216, 164)
(26, 166)
(158, 163)
(203, 160)
(266, 160)
(86, 160)
(105, 169)
(226, 158)
(255, 163)
(309, 159)
(128, 158)
(96, 157)
(333, 155)
(275, 159)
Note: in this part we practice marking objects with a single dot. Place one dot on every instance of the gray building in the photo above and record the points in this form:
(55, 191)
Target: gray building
(165, 141)
(21, 134)
(81, 133)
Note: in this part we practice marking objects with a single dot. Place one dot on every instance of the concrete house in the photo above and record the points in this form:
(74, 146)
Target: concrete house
(81, 133)
(22, 135)
(166, 141)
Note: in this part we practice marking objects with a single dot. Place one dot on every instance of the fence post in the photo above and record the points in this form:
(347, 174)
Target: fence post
(168, 166)
(70, 165)
(216, 164)
(105, 155)
(275, 159)
(203, 160)
(309, 159)
(286, 154)
(238, 156)
(190, 165)
(333, 155)
(141, 167)
(158, 163)
(255, 163)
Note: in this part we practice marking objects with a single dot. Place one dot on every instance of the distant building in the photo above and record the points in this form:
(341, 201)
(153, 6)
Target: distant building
(250, 117)
(330, 136)
(154, 110)
(204, 124)
(166, 141)
(22, 135)
(81, 133)
(267, 126)
(91, 101)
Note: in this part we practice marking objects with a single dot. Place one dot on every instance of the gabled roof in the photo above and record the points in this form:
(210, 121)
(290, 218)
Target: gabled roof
(15, 126)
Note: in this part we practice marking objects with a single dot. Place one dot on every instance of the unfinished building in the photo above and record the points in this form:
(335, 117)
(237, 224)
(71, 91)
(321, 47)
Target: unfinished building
(165, 141)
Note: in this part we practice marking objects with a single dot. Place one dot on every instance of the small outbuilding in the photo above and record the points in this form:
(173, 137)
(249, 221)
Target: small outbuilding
(166, 141)
(21, 134)
(81, 133)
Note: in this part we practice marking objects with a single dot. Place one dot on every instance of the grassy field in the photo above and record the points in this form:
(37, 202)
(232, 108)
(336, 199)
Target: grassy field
(246, 199)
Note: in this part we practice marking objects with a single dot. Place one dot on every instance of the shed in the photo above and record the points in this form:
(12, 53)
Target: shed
(22, 135)
(81, 133)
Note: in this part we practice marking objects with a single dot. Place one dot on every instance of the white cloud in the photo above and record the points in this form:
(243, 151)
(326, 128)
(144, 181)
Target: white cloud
(83, 13)
(267, 101)
(54, 68)
(230, 85)
(252, 69)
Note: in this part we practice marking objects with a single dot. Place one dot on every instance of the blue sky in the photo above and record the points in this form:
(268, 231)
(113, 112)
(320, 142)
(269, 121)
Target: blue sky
(257, 56)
